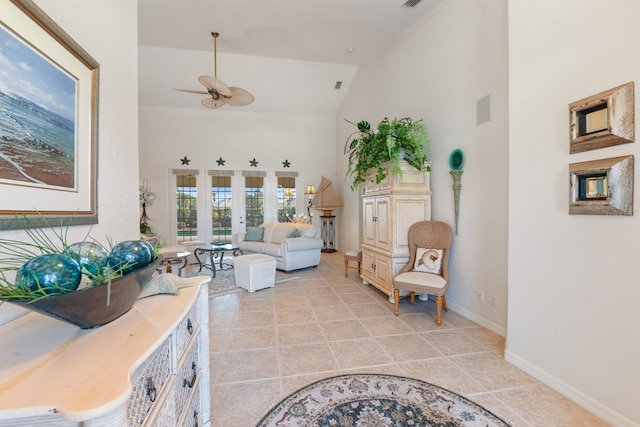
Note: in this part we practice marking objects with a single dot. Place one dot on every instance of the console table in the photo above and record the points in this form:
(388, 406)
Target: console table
(149, 367)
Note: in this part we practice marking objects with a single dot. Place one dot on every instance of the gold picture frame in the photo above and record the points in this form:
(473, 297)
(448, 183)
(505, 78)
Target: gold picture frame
(602, 120)
(49, 140)
(602, 187)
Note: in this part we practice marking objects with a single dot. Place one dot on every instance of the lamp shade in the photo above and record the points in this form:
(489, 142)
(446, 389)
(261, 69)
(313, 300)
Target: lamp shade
(311, 189)
(326, 199)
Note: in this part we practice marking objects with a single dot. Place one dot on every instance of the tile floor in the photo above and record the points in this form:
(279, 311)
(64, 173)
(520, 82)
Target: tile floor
(267, 344)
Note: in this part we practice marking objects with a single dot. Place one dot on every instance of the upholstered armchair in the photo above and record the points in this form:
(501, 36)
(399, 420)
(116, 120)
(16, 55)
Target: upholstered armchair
(427, 271)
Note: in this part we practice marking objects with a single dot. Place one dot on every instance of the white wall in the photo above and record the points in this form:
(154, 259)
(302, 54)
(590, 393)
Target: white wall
(573, 280)
(436, 70)
(108, 32)
(204, 135)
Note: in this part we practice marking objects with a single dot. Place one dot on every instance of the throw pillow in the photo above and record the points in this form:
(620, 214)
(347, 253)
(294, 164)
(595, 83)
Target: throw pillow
(254, 234)
(295, 233)
(428, 260)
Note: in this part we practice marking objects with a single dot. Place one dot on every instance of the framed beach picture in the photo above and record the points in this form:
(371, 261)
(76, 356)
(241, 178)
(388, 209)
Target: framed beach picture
(48, 122)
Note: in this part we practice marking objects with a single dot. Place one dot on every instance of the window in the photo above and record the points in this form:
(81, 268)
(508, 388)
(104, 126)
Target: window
(254, 200)
(221, 209)
(187, 207)
(286, 198)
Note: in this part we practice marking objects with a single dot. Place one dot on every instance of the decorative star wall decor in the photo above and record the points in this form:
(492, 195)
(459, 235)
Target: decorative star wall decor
(253, 162)
(185, 160)
(220, 161)
(286, 163)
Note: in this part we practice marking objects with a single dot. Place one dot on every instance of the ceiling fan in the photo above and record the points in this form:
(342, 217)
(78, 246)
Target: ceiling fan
(219, 93)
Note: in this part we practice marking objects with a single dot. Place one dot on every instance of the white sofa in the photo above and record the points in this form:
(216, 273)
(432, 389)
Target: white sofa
(291, 253)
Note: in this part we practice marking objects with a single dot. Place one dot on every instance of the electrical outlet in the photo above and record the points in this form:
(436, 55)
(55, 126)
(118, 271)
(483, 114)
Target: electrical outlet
(480, 296)
(494, 301)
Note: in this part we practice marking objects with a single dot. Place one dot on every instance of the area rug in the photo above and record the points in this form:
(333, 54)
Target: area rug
(225, 282)
(369, 400)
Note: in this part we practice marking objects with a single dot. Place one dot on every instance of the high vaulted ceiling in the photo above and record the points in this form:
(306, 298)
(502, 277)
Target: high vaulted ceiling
(285, 52)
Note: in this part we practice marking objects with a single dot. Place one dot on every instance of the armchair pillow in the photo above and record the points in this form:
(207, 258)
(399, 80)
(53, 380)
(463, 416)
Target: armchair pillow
(428, 260)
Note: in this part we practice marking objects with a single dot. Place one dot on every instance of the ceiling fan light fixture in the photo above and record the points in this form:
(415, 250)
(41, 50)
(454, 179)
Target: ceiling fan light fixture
(220, 94)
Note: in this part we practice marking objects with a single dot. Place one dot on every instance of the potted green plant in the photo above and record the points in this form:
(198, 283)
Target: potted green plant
(391, 142)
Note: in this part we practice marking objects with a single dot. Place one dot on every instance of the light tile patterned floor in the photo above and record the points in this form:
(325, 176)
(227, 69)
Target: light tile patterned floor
(267, 344)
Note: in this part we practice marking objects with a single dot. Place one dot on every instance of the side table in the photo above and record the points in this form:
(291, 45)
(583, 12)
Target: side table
(171, 257)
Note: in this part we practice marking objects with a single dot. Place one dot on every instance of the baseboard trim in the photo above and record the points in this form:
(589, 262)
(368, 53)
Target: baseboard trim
(479, 320)
(597, 408)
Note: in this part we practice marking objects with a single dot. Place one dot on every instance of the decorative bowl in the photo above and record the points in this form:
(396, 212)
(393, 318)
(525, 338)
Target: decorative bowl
(87, 308)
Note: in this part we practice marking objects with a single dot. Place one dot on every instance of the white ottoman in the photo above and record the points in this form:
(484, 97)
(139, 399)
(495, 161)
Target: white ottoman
(255, 271)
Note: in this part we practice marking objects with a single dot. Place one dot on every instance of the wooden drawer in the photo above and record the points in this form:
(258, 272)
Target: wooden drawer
(167, 414)
(154, 373)
(188, 374)
(191, 414)
(186, 329)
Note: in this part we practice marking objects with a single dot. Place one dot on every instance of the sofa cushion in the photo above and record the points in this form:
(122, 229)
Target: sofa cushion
(268, 230)
(308, 230)
(272, 249)
(281, 232)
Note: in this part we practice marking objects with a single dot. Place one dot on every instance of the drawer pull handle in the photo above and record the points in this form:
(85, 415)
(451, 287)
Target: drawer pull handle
(189, 326)
(151, 389)
(193, 378)
(195, 417)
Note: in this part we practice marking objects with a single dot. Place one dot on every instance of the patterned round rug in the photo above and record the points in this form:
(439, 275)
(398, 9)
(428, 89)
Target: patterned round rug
(371, 400)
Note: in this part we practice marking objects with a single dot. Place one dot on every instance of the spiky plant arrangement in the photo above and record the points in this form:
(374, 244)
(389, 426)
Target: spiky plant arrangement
(50, 240)
(391, 141)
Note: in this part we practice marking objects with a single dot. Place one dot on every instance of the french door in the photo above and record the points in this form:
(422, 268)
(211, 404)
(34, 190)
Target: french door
(213, 206)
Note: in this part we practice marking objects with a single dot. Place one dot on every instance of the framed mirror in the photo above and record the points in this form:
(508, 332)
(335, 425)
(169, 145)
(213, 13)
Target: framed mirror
(602, 187)
(602, 120)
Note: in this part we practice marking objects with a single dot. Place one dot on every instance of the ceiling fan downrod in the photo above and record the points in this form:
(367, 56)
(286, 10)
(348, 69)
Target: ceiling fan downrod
(215, 53)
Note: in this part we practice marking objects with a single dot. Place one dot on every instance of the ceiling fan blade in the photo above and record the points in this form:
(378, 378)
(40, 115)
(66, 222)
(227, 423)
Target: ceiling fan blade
(216, 84)
(213, 103)
(200, 92)
(239, 97)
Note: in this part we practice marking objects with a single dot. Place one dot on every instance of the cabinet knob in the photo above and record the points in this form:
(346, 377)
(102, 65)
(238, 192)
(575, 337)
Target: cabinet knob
(189, 326)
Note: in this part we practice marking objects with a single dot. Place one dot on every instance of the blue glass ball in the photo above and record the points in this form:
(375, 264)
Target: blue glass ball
(129, 256)
(52, 273)
(91, 256)
(152, 249)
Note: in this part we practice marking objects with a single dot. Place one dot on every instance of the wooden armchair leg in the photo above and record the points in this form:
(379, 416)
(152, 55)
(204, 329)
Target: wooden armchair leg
(444, 303)
(396, 298)
(346, 268)
(439, 303)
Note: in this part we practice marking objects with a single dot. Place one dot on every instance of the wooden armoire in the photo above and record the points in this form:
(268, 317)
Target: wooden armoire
(389, 208)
